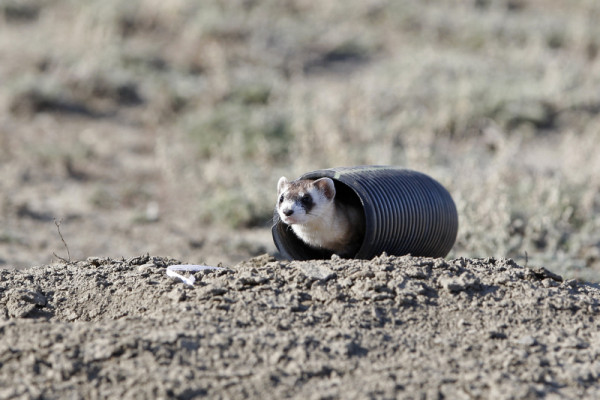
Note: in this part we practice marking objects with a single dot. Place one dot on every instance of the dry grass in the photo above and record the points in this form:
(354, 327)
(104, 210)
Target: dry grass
(216, 100)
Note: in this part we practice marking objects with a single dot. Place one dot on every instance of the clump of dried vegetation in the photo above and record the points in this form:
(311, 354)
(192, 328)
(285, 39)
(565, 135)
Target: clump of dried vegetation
(498, 100)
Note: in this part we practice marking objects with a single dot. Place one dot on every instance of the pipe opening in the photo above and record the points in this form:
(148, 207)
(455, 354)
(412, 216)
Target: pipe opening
(292, 247)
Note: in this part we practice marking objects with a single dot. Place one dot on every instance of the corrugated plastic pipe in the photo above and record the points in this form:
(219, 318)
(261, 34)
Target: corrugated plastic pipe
(406, 212)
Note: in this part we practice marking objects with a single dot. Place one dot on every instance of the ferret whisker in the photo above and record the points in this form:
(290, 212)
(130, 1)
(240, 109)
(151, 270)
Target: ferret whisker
(317, 214)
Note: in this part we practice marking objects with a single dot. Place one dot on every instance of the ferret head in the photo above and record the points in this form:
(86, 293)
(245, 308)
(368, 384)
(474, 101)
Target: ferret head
(300, 201)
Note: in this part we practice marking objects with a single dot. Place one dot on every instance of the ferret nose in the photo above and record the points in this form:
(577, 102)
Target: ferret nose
(288, 211)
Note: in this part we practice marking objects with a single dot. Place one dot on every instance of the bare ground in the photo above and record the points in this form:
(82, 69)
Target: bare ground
(163, 127)
(386, 328)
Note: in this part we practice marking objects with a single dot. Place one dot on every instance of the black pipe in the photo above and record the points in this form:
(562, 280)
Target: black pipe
(406, 212)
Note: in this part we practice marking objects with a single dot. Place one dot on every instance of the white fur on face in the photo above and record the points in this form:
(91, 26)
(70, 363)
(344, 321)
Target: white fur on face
(298, 215)
(297, 212)
(282, 185)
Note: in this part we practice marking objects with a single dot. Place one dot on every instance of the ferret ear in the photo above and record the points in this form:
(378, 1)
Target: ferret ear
(282, 184)
(326, 186)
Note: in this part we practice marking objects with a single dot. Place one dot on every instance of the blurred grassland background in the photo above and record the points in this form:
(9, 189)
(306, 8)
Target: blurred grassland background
(163, 126)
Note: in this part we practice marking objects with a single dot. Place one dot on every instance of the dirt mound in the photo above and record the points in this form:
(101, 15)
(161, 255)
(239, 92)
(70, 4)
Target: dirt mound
(387, 328)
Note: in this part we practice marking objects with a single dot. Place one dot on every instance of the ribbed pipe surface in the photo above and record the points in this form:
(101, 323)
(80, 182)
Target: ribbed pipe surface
(406, 212)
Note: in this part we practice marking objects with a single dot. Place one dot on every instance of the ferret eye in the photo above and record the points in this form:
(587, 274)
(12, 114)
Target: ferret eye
(306, 199)
(281, 199)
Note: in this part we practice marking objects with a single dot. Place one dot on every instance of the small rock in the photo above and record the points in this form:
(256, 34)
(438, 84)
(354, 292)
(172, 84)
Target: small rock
(177, 294)
(527, 340)
(284, 325)
(316, 271)
(250, 278)
(542, 273)
(71, 315)
(139, 260)
(571, 283)
(497, 335)
(354, 349)
(212, 290)
(458, 283)
(452, 284)
(416, 272)
(501, 279)
(95, 261)
(21, 302)
(276, 356)
(146, 267)
(575, 343)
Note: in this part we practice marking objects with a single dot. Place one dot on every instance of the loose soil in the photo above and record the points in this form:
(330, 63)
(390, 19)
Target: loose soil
(392, 327)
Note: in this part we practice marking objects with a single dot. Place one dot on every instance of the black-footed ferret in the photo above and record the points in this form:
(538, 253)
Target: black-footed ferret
(318, 218)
